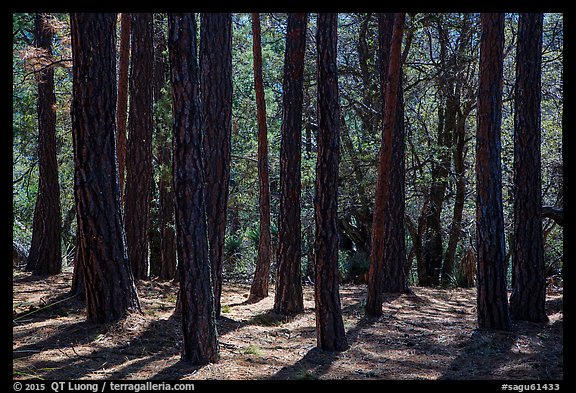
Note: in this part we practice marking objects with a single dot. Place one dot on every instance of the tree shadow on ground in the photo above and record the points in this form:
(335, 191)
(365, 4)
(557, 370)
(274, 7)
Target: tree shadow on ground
(159, 343)
(317, 362)
(47, 308)
(496, 354)
(155, 342)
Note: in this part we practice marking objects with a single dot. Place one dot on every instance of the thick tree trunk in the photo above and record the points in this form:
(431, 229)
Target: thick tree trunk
(216, 91)
(492, 295)
(330, 334)
(45, 256)
(259, 287)
(388, 255)
(122, 101)
(528, 298)
(196, 298)
(139, 147)
(110, 289)
(288, 297)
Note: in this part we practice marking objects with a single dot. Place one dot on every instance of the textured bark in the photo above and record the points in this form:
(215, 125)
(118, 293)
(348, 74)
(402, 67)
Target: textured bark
(330, 334)
(259, 287)
(387, 257)
(216, 91)
(288, 297)
(200, 345)
(122, 101)
(528, 298)
(139, 146)
(45, 256)
(110, 289)
(492, 298)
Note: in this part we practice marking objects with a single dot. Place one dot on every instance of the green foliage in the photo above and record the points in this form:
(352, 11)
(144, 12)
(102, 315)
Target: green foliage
(353, 266)
(232, 247)
(361, 126)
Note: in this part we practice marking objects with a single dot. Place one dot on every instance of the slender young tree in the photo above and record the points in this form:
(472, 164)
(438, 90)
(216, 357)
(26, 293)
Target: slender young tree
(110, 289)
(460, 108)
(216, 91)
(45, 251)
(196, 298)
(330, 334)
(167, 246)
(139, 146)
(259, 287)
(288, 298)
(492, 296)
(122, 101)
(528, 298)
(387, 257)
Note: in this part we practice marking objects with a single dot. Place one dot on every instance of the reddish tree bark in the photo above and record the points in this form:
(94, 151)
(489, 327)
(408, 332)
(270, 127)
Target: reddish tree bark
(259, 287)
(387, 256)
(122, 101)
(216, 91)
(45, 255)
(492, 296)
(110, 289)
(288, 297)
(528, 298)
(330, 334)
(139, 146)
(196, 298)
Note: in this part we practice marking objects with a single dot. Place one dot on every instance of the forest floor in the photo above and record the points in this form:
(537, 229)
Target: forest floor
(429, 334)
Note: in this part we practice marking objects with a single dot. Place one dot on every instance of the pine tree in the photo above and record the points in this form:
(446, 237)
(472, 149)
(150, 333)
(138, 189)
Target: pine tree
(196, 297)
(330, 333)
(492, 296)
(110, 289)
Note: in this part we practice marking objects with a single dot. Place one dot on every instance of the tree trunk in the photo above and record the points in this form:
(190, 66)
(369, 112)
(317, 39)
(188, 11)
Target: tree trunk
(492, 295)
(167, 245)
(78, 286)
(288, 297)
(110, 289)
(330, 333)
(528, 298)
(200, 344)
(122, 102)
(154, 231)
(456, 226)
(388, 254)
(456, 78)
(45, 256)
(139, 152)
(433, 246)
(216, 91)
(259, 288)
